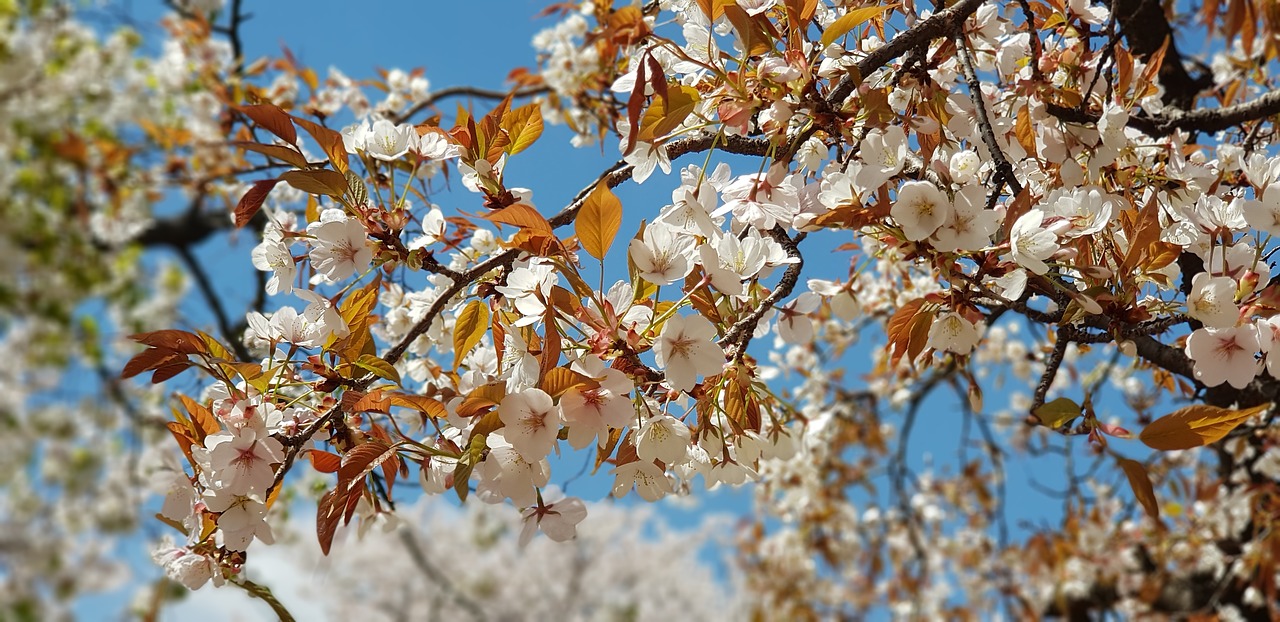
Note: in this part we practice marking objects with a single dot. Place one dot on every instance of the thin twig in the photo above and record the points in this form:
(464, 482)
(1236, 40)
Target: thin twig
(1004, 170)
(215, 303)
(467, 91)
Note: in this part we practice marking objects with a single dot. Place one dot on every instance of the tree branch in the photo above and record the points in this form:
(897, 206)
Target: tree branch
(467, 91)
(1206, 120)
(944, 23)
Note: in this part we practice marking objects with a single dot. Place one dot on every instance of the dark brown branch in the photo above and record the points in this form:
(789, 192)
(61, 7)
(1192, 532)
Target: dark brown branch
(211, 298)
(739, 336)
(1004, 171)
(1206, 120)
(944, 23)
(1145, 28)
(1051, 366)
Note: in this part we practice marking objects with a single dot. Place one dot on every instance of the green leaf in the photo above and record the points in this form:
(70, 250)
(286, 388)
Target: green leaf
(1057, 413)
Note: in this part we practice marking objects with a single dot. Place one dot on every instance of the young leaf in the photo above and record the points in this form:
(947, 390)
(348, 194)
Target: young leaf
(361, 460)
(279, 152)
(378, 366)
(900, 329)
(520, 215)
(317, 181)
(1141, 485)
(324, 461)
(560, 380)
(1057, 413)
(1195, 426)
(851, 20)
(524, 126)
(272, 119)
(330, 142)
(468, 329)
(598, 221)
(428, 406)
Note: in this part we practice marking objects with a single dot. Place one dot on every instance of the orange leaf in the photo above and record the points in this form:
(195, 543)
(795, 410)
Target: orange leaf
(1141, 485)
(598, 221)
(279, 152)
(428, 406)
(468, 329)
(851, 20)
(252, 201)
(900, 329)
(524, 126)
(271, 118)
(520, 215)
(330, 142)
(1195, 426)
(558, 381)
(317, 181)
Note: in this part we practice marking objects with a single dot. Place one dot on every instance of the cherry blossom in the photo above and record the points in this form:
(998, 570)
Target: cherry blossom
(662, 254)
(951, 332)
(531, 421)
(686, 349)
(648, 480)
(1030, 243)
(558, 518)
(339, 249)
(387, 141)
(663, 437)
(920, 209)
(1225, 355)
(1212, 300)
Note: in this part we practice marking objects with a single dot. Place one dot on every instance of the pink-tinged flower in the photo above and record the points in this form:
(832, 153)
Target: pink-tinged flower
(732, 261)
(649, 480)
(434, 146)
(241, 518)
(559, 519)
(505, 474)
(964, 166)
(531, 421)
(970, 224)
(756, 7)
(662, 255)
(1088, 209)
(339, 249)
(320, 317)
(763, 200)
(1269, 340)
(843, 302)
(1030, 243)
(241, 461)
(1225, 355)
(185, 566)
(920, 209)
(528, 287)
(387, 141)
(591, 413)
(953, 333)
(1213, 300)
(663, 437)
(687, 349)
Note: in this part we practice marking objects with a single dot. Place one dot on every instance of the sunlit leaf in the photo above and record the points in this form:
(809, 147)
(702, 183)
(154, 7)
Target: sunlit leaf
(598, 221)
(470, 327)
(851, 20)
(1195, 426)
